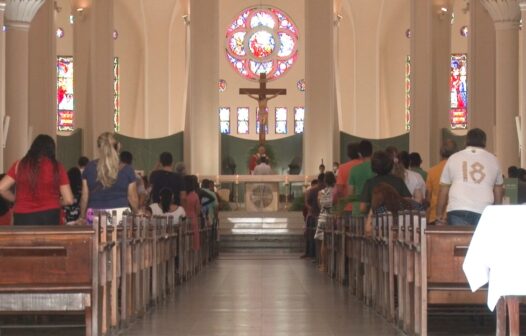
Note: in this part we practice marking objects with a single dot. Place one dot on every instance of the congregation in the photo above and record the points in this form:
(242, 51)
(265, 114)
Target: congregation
(37, 189)
(453, 192)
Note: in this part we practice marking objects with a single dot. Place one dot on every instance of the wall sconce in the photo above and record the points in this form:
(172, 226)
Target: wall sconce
(338, 18)
(81, 13)
(442, 13)
(186, 19)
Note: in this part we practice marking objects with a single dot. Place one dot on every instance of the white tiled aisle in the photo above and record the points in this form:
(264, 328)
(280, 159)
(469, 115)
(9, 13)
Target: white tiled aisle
(261, 295)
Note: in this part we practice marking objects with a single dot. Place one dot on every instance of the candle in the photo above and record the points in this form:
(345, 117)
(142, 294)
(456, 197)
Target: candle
(286, 179)
(306, 179)
(217, 179)
(237, 179)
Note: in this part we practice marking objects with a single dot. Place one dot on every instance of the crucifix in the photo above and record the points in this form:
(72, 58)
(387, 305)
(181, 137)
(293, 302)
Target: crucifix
(262, 95)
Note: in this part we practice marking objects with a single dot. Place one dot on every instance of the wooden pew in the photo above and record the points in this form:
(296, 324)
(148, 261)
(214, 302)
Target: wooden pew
(46, 269)
(442, 278)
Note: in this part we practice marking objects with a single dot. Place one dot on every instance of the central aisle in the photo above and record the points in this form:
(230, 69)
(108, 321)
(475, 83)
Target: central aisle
(261, 295)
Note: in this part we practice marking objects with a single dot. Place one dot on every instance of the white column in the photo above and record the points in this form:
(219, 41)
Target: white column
(202, 134)
(93, 85)
(43, 73)
(421, 77)
(523, 82)
(481, 72)
(506, 15)
(19, 14)
(320, 109)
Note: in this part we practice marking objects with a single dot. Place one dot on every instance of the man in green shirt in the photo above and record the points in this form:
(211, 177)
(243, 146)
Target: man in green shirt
(360, 174)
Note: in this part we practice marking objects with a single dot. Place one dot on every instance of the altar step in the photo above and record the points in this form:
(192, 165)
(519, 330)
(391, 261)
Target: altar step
(276, 231)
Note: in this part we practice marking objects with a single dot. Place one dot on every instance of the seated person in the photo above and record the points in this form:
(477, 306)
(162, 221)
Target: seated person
(263, 168)
(382, 165)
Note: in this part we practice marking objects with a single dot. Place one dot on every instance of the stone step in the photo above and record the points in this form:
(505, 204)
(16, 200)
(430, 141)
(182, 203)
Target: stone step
(292, 243)
(241, 231)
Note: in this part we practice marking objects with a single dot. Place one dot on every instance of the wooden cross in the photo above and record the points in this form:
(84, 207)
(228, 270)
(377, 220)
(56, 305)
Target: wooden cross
(262, 95)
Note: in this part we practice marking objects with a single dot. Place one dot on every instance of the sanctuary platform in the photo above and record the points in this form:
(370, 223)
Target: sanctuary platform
(248, 231)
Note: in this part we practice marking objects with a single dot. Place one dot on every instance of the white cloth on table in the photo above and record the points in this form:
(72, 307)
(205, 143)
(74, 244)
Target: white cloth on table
(497, 252)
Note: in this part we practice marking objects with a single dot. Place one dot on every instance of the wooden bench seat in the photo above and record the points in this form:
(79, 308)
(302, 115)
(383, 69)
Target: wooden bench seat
(49, 269)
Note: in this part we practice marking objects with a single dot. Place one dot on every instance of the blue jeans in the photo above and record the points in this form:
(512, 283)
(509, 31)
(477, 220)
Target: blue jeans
(462, 217)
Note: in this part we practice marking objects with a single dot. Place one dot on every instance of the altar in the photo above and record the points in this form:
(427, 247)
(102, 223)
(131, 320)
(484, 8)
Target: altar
(260, 193)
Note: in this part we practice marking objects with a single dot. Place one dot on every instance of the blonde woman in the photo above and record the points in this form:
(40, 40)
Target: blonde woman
(106, 185)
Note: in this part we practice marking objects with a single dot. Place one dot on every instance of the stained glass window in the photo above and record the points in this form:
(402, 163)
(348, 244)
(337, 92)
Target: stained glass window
(299, 119)
(408, 93)
(281, 120)
(224, 120)
(257, 121)
(65, 97)
(262, 40)
(116, 95)
(242, 120)
(458, 113)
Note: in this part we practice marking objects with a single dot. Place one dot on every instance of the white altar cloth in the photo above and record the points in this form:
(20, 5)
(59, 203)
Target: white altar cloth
(497, 253)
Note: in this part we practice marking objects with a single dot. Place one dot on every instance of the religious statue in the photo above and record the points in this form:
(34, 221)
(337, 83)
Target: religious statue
(262, 96)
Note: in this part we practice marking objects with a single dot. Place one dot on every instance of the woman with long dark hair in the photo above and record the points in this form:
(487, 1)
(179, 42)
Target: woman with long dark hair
(42, 185)
(168, 205)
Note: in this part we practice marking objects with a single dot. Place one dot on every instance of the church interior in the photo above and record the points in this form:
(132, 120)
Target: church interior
(172, 76)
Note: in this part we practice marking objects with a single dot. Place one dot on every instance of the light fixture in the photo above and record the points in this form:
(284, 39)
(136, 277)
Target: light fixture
(442, 13)
(186, 19)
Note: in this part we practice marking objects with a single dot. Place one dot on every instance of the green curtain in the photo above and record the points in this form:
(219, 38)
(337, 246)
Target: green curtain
(401, 142)
(69, 148)
(146, 151)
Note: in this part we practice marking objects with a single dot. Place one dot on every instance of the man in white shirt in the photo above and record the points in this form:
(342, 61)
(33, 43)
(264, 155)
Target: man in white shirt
(262, 167)
(472, 180)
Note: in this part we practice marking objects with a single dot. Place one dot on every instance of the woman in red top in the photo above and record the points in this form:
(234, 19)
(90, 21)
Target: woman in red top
(41, 181)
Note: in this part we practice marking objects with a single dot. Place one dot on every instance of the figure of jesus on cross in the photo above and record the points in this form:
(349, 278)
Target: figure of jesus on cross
(262, 95)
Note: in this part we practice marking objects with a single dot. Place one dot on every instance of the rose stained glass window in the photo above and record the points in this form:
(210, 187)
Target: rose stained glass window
(262, 40)
(65, 97)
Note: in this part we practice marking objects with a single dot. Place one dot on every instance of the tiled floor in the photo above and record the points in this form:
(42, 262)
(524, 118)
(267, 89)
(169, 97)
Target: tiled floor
(261, 296)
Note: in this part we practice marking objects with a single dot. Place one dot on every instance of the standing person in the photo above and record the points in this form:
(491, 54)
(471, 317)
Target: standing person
(193, 208)
(72, 212)
(344, 170)
(82, 162)
(433, 180)
(107, 185)
(263, 167)
(42, 185)
(413, 180)
(415, 162)
(165, 177)
(360, 174)
(253, 161)
(310, 222)
(471, 180)
(325, 201)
